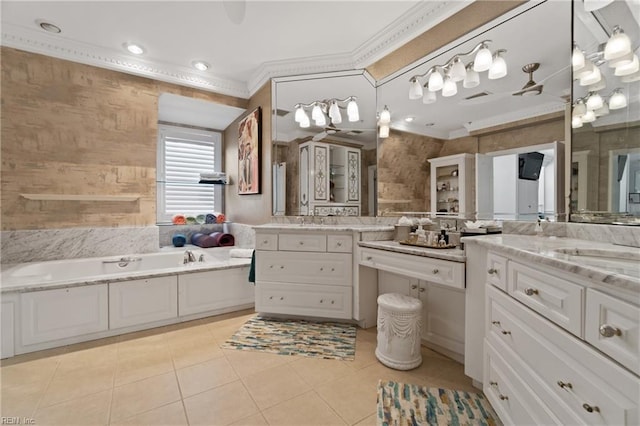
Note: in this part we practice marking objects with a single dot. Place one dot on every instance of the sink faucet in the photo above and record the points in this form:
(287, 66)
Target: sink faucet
(188, 257)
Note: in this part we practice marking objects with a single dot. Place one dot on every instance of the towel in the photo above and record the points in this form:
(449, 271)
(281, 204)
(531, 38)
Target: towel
(239, 252)
(222, 239)
(252, 268)
(203, 240)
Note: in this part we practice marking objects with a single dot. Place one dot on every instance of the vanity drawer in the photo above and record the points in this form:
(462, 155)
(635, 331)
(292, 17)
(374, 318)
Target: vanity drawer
(340, 243)
(554, 298)
(513, 400)
(304, 299)
(302, 242)
(497, 271)
(436, 271)
(613, 326)
(304, 268)
(562, 367)
(267, 241)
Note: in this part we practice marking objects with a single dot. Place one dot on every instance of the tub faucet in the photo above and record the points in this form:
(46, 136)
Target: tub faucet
(189, 257)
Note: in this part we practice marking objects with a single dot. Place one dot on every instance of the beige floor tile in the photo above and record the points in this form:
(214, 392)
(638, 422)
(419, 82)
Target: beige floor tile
(207, 375)
(21, 400)
(317, 371)
(371, 420)
(142, 346)
(195, 352)
(144, 395)
(50, 354)
(246, 363)
(169, 415)
(67, 385)
(98, 357)
(133, 368)
(197, 333)
(220, 406)
(307, 409)
(34, 371)
(353, 397)
(84, 411)
(254, 420)
(365, 355)
(274, 385)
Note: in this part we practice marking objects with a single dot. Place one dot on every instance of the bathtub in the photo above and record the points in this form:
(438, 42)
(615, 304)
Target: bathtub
(113, 268)
(55, 303)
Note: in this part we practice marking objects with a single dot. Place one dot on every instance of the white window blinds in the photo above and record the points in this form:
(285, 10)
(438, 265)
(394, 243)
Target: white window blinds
(183, 154)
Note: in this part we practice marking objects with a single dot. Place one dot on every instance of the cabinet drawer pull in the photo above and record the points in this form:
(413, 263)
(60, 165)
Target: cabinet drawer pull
(333, 269)
(281, 297)
(321, 300)
(369, 258)
(270, 297)
(565, 384)
(332, 302)
(339, 244)
(503, 397)
(495, 322)
(322, 268)
(530, 291)
(435, 271)
(265, 241)
(506, 332)
(494, 384)
(492, 271)
(281, 266)
(414, 286)
(422, 289)
(590, 408)
(607, 330)
(301, 243)
(271, 266)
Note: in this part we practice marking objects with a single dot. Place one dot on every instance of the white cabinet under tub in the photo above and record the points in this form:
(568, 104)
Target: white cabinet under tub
(143, 301)
(203, 291)
(67, 312)
(304, 273)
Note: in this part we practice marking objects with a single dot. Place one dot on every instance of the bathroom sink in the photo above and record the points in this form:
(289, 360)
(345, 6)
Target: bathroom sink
(624, 261)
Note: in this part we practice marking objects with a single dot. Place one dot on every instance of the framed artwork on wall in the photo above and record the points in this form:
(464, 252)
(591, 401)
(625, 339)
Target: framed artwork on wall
(249, 153)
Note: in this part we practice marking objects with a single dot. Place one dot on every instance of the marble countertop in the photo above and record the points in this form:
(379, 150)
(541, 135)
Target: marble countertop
(322, 228)
(618, 270)
(218, 259)
(453, 254)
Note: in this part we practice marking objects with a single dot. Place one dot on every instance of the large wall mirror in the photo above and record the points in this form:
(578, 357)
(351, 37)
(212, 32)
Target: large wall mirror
(605, 155)
(501, 117)
(324, 164)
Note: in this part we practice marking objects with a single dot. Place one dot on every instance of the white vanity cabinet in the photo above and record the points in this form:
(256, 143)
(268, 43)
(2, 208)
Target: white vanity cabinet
(142, 301)
(453, 185)
(304, 273)
(329, 179)
(555, 348)
(67, 312)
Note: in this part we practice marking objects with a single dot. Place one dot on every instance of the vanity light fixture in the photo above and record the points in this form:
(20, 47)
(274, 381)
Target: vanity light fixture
(200, 65)
(134, 48)
(618, 44)
(385, 116)
(579, 108)
(621, 61)
(577, 58)
(629, 68)
(576, 122)
(588, 117)
(594, 101)
(631, 78)
(618, 100)
(330, 107)
(384, 131)
(444, 77)
(591, 78)
(603, 110)
(602, 84)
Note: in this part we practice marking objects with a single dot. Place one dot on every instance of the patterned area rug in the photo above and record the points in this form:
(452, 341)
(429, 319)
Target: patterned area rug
(403, 404)
(296, 337)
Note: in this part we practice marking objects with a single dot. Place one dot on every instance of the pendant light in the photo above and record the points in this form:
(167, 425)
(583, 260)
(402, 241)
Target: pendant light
(429, 97)
(458, 72)
(385, 116)
(594, 101)
(436, 82)
(415, 89)
(577, 58)
(472, 78)
(618, 44)
(628, 69)
(483, 59)
(334, 113)
(618, 100)
(450, 87)
(498, 68)
(352, 110)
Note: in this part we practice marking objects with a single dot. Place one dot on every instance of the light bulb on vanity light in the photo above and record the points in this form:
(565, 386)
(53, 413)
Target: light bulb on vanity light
(304, 121)
(585, 70)
(384, 131)
(592, 78)
(599, 85)
(579, 109)
(334, 113)
(299, 114)
(622, 60)
(603, 110)
(576, 122)
(385, 116)
(483, 59)
(618, 44)
(415, 89)
(450, 88)
(458, 71)
(629, 68)
(472, 78)
(498, 68)
(353, 114)
(436, 82)
(594, 101)
(588, 117)
(618, 100)
(577, 58)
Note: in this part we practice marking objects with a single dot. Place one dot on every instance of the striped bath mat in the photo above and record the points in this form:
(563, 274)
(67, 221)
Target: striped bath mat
(404, 404)
(296, 337)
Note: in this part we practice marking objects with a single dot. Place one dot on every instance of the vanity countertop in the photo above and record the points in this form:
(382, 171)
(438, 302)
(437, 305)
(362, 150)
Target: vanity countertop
(606, 264)
(453, 254)
(356, 227)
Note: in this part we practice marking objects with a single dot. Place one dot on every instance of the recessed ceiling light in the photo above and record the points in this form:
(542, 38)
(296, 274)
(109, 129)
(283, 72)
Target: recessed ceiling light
(48, 26)
(409, 119)
(134, 48)
(200, 65)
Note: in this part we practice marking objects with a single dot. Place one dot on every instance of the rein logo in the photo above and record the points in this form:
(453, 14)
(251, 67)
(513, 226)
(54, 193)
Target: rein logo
(17, 420)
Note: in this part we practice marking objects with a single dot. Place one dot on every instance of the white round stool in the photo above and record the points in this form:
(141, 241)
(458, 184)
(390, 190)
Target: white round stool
(399, 324)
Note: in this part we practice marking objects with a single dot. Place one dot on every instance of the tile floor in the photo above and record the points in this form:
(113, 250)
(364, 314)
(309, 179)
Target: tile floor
(178, 375)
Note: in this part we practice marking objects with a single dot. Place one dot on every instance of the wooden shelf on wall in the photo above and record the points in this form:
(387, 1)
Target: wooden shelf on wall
(81, 197)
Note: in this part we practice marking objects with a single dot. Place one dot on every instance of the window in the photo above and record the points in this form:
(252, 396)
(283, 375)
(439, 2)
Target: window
(184, 153)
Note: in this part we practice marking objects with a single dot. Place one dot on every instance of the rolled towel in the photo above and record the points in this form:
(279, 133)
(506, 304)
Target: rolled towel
(240, 252)
(222, 239)
(203, 240)
(210, 218)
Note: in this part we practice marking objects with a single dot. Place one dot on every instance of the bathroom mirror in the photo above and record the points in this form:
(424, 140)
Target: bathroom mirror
(524, 108)
(324, 169)
(605, 154)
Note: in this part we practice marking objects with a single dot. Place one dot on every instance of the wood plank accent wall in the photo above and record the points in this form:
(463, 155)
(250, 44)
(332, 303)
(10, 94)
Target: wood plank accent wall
(70, 128)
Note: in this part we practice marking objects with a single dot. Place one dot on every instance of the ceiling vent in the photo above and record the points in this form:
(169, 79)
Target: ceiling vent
(354, 132)
(477, 95)
(282, 112)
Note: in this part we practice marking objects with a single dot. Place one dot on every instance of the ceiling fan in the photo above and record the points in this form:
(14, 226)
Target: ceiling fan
(531, 88)
(331, 130)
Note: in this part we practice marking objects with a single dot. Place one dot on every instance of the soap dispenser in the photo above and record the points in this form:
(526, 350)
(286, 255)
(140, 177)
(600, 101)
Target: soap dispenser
(539, 228)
